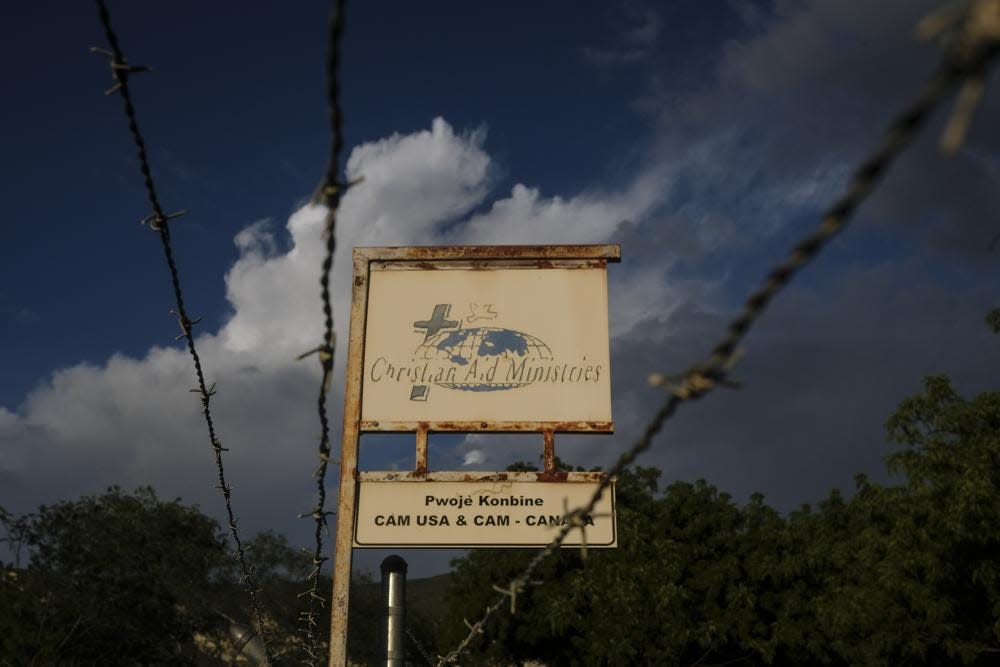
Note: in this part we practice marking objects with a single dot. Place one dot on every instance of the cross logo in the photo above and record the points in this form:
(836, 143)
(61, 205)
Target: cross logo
(437, 322)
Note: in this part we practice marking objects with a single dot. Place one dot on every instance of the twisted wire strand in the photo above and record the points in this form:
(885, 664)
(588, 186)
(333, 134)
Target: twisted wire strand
(965, 60)
(420, 647)
(329, 194)
(159, 221)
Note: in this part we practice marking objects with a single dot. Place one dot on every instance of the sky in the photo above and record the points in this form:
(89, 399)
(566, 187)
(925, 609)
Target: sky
(703, 137)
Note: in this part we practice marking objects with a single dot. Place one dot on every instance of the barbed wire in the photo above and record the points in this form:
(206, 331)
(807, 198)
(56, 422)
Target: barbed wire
(328, 194)
(420, 647)
(970, 32)
(158, 220)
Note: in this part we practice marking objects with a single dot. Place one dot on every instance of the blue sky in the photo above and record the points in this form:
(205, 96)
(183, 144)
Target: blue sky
(702, 137)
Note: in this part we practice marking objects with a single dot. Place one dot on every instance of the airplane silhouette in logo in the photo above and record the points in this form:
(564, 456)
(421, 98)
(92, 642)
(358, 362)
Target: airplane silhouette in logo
(437, 322)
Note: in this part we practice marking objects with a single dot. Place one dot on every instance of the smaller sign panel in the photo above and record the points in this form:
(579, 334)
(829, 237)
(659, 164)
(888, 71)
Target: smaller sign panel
(477, 510)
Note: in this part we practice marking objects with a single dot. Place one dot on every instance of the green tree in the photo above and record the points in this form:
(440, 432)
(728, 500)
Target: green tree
(675, 591)
(951, 460)
(129, 579)
(113, 579)
(896, 574)
(993, 320)
(905, 573)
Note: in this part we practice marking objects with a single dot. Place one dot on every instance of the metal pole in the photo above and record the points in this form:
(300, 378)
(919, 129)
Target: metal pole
(343, 546)
(394, 602)
(421, 463)
(549, 451)
(247, 643)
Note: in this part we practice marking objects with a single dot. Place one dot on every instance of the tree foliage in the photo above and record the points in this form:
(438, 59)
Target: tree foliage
(128, 579)
(907, 573)
(113, 579)
(896, 574)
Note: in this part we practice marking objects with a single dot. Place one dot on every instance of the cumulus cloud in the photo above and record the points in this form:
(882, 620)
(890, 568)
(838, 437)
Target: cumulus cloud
(415, 184)
(757, 147)
(133, 421)
(473, 456)
(822, 373)
(801, 98)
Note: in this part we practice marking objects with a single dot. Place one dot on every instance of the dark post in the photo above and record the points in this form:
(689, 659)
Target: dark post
(394, 602)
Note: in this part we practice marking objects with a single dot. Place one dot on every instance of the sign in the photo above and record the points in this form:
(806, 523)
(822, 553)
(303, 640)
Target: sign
(471, 339)
(488, 510)
(504, 345)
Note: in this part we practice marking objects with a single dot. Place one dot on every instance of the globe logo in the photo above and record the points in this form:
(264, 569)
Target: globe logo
(477, 358)
(480, 351)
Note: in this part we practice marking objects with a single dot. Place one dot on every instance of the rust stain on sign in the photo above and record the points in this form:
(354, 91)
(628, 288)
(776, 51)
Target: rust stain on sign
(611, 253)
(488, 427)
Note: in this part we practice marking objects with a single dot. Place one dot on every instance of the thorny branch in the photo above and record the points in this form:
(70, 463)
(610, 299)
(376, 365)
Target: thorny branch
(158, 220)
(971, 35)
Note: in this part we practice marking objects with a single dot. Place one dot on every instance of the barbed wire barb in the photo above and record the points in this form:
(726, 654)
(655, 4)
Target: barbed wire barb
(970, 34)
(120, 68)
(153, 220)
(972, 29)
(159, 221)
(576, 519)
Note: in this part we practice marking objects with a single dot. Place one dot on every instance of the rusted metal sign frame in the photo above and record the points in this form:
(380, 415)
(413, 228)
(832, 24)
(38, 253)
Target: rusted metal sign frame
(488, 258)
(427, 258)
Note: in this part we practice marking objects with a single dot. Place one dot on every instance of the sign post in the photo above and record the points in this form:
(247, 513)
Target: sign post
(471, 339)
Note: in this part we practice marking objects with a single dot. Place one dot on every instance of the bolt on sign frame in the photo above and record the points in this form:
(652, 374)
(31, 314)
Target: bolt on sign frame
(469, 339)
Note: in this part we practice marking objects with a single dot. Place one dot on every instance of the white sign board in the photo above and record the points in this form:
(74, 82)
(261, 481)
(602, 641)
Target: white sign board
(496, 510)
(498, 345)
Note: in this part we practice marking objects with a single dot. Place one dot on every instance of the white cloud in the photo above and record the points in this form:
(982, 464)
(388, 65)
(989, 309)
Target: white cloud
(736, 159)
(473, 457)
(413, 184)
(528, 217)
(7, 419)
(133, 421)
